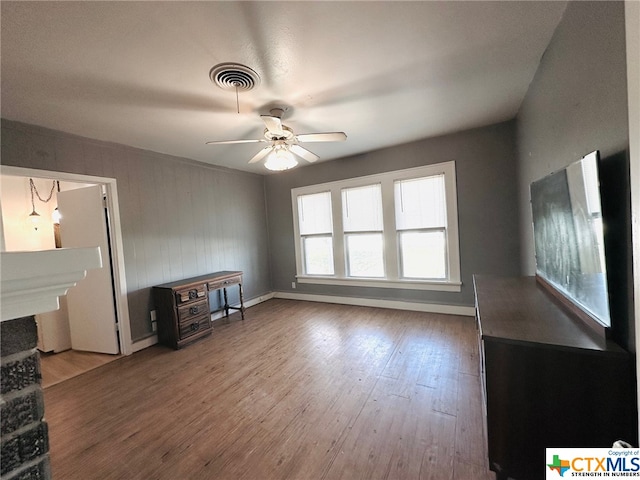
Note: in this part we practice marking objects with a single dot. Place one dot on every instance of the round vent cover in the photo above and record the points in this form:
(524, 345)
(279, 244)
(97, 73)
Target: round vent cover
(232, 76)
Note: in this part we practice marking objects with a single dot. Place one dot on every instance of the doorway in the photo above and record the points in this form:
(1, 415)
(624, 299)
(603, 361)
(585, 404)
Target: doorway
(73, 361)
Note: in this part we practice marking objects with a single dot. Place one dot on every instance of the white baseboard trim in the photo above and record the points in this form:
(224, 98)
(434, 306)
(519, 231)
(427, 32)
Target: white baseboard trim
(144, 343)
(393, 304)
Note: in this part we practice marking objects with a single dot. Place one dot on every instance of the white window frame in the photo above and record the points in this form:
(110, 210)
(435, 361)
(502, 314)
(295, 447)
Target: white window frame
(390, 236)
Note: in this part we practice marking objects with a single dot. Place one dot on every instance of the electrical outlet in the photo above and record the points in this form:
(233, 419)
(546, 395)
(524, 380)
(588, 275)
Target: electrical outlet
(293, 284)
(154, 324)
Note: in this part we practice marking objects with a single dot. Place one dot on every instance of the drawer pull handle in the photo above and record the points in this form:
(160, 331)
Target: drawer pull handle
(193, 310)
(195, 326)
(193, 294)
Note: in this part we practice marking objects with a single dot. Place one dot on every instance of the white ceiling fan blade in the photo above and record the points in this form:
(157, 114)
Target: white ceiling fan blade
(273, 124)
(229, 142)
(322, 137)
(304, 153)
(261, 154)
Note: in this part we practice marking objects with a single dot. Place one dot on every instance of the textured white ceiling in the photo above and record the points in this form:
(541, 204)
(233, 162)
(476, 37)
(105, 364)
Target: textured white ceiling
(137, 73)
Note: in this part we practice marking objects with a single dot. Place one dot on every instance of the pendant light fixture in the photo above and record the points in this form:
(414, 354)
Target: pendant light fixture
(34, 216)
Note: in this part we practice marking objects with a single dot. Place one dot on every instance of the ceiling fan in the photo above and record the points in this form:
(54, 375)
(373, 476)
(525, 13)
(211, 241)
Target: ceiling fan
(283, 143)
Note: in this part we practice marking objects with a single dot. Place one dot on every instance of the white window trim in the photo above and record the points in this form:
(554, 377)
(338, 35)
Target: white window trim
(392, 280)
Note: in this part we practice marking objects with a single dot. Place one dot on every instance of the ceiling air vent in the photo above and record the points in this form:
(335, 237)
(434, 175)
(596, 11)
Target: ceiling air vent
(233, 76)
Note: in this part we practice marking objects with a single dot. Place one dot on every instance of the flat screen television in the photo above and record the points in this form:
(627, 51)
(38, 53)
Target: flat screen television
(569, 238)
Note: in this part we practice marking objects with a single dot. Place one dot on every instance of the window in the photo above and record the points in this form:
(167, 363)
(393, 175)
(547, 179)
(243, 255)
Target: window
(362, 226)
(395, 230)
(421, 224)
(314, 213)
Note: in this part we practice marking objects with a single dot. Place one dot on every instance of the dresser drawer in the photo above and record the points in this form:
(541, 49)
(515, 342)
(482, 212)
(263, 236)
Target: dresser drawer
(225, 283)
(194, 325)
(194, 309)
(191, 294)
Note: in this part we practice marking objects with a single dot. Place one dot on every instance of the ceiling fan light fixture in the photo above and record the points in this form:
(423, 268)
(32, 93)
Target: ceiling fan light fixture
(280, 159)
(284, 148)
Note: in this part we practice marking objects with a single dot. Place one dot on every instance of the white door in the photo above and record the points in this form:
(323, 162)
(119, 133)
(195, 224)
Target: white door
(92, 317)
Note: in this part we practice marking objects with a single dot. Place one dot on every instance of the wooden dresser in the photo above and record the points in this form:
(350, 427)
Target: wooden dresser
(548, 380)
(183, 310)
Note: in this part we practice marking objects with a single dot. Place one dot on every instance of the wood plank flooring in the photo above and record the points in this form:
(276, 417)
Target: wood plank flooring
(298, 390)
(57, 367)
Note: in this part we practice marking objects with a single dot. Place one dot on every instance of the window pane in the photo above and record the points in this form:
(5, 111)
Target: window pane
(314, 213)
(423, 254)
(420, 203)
(362, 209)
(318, 255)
(365, 255)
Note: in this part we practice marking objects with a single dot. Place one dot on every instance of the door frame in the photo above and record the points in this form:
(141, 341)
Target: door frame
(117, 245)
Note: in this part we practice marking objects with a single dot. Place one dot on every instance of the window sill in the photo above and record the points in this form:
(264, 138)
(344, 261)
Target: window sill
(443, 286)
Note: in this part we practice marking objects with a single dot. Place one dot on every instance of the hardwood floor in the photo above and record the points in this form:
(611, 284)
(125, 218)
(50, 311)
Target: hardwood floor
(298, 390)
(57, 367)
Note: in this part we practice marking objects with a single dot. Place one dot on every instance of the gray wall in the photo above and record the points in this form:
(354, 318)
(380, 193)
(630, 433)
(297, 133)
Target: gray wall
(577, 102)
(179, 218)
(487, 207)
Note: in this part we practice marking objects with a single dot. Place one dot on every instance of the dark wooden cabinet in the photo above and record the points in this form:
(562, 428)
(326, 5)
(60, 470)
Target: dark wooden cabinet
(548, 380)
(183, 310)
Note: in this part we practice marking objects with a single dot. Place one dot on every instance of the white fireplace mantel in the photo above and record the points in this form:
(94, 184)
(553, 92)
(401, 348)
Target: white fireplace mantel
(32, 282)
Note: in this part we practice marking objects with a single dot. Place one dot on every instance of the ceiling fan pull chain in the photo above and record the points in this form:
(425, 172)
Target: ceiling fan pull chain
(237, 98)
